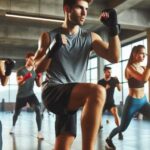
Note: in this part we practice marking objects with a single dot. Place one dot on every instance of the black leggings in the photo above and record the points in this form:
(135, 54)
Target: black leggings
(33, 102)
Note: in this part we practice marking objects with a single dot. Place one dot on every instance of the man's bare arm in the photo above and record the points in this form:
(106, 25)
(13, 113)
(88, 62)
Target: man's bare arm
(109, 51)
(41, 61)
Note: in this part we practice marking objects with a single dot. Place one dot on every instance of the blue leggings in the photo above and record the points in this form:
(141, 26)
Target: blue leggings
(132, 105)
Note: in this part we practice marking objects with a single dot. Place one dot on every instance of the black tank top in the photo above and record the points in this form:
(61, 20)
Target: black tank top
(134, 83)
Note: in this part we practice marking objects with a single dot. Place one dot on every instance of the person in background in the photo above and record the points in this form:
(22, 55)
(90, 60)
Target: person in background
(136, 101)
(110, 83)
(26, 76)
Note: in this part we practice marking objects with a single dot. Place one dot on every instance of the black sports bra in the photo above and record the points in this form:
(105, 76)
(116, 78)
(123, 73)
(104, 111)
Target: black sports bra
(134, 83)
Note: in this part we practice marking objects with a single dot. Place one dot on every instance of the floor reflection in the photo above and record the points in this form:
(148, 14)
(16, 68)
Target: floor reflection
(136, 137)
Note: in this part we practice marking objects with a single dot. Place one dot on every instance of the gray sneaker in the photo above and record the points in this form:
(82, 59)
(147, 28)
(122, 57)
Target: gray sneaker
(40, 135)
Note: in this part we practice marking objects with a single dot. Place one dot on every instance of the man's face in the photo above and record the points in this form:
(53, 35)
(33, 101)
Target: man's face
(107, 73)
(78, 12)
(30, 61)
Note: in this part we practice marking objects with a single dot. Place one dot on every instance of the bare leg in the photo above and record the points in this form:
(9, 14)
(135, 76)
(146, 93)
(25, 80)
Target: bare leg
(114, 111)
(64, 142)
(92, 98)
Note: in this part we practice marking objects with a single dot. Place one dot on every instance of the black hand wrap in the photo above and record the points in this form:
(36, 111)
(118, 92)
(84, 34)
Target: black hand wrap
(9, 65)
(111, 22)
(56, 46)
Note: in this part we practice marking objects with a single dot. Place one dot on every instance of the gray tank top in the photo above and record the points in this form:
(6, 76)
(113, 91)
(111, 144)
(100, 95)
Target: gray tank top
(70, 62)
(26, 89)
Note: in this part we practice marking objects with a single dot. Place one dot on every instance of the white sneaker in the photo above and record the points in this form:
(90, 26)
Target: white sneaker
(40, 135)
(12, 131)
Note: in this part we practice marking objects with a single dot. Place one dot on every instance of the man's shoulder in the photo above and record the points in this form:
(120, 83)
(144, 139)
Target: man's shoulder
(85, 32)
(52, 33)
(21, 69)
(114, 78)
(101, 80)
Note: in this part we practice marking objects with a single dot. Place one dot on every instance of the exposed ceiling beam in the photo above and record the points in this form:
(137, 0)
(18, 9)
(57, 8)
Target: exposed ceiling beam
(134, 37)
(134, 19)
(122, 5)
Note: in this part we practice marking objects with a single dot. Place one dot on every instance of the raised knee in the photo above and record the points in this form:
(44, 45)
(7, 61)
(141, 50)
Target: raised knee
(100, 93)
(101, 89)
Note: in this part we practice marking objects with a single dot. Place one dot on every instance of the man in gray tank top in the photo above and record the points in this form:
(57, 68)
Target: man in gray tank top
(63, 53)
(25, 79)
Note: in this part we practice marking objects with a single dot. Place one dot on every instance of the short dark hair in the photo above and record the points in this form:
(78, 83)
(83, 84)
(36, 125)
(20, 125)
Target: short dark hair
(29, 54)
(106, 68)
(71, 3)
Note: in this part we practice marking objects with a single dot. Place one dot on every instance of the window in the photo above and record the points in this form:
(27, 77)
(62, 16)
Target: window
(91, 74)
(4, 93)
(125, 51)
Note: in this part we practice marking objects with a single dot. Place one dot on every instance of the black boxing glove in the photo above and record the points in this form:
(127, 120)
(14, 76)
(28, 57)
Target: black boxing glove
(111, 22)
(9, 65)
(56, 45)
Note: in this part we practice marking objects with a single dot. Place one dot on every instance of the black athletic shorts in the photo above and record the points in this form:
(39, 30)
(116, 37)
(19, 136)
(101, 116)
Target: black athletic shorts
(21, 102)
(108, 105)
(66, 124)
(55, 99)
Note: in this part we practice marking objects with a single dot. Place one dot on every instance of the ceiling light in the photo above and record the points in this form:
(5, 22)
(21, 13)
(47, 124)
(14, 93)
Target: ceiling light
(33, 18)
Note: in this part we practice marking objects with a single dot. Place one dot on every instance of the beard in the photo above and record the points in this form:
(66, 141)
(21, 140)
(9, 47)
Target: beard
(76, 20)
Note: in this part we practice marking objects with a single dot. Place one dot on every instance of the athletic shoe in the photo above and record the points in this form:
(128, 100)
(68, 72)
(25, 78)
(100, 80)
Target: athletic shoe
(12, 131)
(109, 144)
(120, 136)
(40, 135)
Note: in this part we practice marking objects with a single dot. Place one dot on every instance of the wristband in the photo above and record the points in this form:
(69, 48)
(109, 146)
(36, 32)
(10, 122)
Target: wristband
(115, 30)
